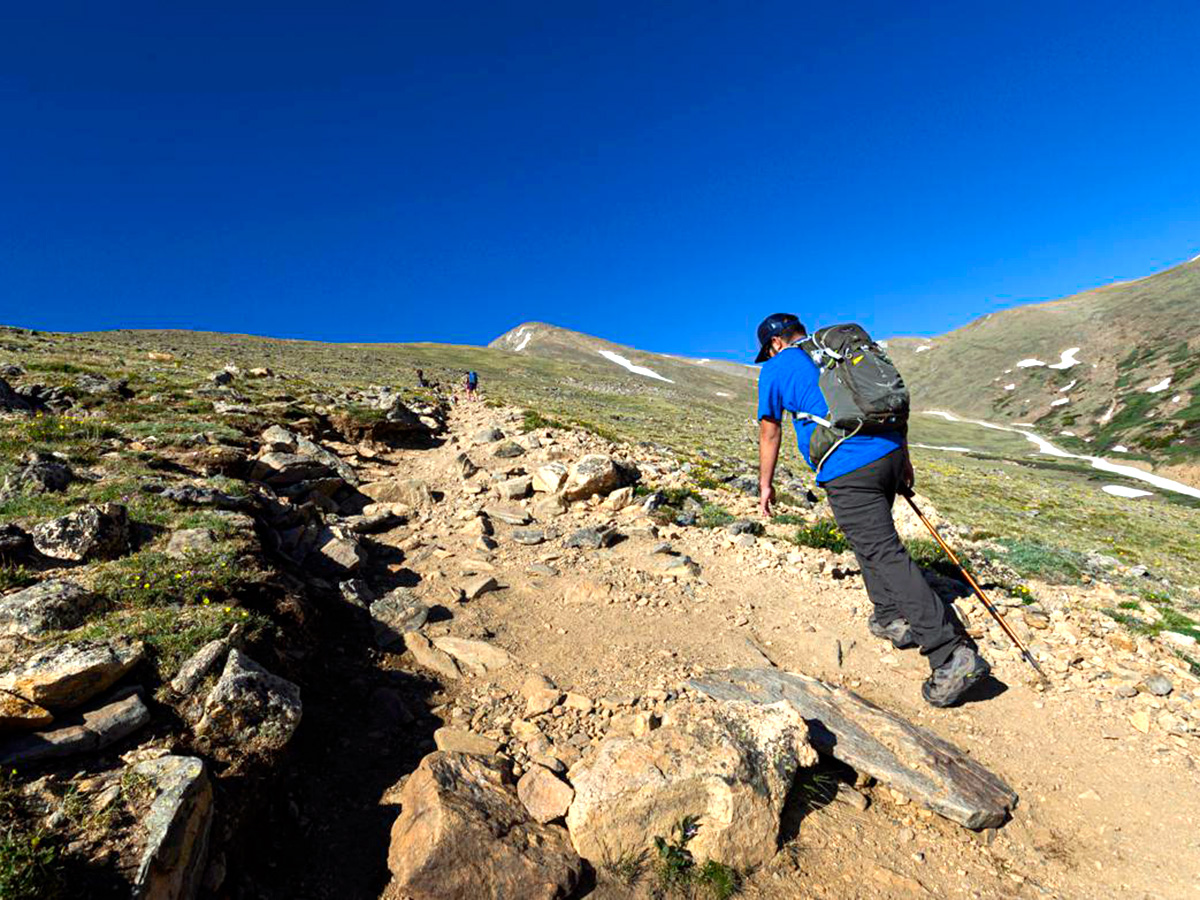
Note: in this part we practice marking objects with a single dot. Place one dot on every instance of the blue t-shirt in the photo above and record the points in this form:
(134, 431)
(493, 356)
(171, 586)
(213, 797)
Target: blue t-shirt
(788, 381)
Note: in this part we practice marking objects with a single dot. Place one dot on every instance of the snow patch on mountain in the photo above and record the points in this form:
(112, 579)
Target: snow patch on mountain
(635, 369)
(1120, 490)
(1029, 363)
(1067, 359)
(1161, 386)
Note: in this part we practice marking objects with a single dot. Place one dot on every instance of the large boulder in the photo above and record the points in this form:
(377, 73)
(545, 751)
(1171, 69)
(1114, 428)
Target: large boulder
(250, 708)
(730, 765)
(11, 401)
(67, 675)
(92, 532)
(598, 473)
(176, 828)
(48, 606)
(281, 469)
(462, 834)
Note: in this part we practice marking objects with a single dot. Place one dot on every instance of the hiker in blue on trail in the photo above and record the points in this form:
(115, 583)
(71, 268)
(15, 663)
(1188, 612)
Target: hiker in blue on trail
(851, 415)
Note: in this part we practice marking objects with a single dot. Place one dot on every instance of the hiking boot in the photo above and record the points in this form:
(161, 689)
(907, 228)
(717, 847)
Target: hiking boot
(897, 631)
(947, 684)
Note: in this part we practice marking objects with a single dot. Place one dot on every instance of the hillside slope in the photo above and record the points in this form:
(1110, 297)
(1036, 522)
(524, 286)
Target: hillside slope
(1111, 370)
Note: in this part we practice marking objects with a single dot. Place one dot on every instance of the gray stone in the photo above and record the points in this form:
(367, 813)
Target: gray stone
(410, 491)
(528, 536)
(176, 827)
(913, 761)
(15, 543)
(464, 466)
(396, 614)
(591, 538)
(41, 473)
(191, 541)
(338, 551)
(92, 532)
(249, 708)
(191, 495)
(50, 605)
(745, 526)
(199, 664)
(596, 473)
(1158, 685)
(357, 592)
(487, 435)
(515, 488)
(510, 515)
(508, 450)
(82, 733)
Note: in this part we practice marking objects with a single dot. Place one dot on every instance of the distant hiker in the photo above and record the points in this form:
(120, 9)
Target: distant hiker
(421, 382)
(472, 385)
(861, 473)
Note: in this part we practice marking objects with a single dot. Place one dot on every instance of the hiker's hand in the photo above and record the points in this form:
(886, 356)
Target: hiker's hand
(766, 498)
(908, 478)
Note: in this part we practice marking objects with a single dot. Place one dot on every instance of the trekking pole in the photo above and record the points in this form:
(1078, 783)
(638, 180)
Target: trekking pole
(978, 591)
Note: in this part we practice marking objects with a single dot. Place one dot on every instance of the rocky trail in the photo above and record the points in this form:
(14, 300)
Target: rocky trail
(487, 679)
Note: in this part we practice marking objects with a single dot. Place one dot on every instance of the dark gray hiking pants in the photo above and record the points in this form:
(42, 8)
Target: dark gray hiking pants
(862, 505)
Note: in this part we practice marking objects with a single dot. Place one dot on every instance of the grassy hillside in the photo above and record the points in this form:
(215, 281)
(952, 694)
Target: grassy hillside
(1133, 381)
(1050, 508)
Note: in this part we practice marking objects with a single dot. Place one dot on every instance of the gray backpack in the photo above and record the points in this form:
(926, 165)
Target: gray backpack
(861, 386)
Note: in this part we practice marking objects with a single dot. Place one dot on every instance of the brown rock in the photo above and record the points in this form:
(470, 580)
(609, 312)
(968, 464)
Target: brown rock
(429, 656)
(458, 740)
(409, 491)
(70, 674)
(462, 834)
(545, 796)
(479, 656)
(550, 478)
(732, 766)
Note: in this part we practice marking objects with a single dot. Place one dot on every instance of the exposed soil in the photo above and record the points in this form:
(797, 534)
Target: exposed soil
(1105, 809)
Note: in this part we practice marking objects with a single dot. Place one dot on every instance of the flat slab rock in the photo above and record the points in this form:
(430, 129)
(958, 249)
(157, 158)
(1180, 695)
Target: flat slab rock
(92, 730)
(177, 828)
(904, 756)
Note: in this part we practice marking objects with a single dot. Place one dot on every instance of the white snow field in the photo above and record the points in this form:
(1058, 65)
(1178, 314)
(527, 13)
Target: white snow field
(1120, 490)
(1067, 359)
(1029, 363)
(635, 369)
(1044, 446)
(923, 348)
(1160, 387)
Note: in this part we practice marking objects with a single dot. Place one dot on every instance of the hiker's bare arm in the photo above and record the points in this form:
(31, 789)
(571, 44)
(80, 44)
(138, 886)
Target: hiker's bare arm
(769, 433)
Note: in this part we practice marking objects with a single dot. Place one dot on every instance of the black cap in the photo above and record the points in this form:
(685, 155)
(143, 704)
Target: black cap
(773, 326)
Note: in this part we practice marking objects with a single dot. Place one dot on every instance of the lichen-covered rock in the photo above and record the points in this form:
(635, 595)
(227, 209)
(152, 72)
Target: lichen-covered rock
(191, 541)
(395, 614)
(67, 675)
(40, 473)
(250, 708)
(48, 606)
(92, 532)
(462, 834)
(731, 765)
(176, 828)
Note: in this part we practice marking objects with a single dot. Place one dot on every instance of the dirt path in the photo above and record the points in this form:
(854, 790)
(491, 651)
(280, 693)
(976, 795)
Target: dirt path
(1105, 811)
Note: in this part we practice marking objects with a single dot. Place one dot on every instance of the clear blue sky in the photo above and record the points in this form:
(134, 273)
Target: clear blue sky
(658, 173)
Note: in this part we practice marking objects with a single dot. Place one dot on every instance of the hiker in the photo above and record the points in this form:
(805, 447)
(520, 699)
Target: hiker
(421, 380)
(472, 385)
(861, 473)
